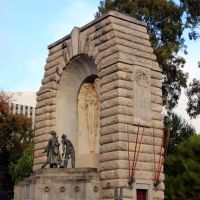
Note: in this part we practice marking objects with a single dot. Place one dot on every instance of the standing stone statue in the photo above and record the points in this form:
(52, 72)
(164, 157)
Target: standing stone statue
(52, 152)
(68, 151)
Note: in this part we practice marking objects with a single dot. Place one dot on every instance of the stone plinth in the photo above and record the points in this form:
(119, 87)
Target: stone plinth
(60, 184)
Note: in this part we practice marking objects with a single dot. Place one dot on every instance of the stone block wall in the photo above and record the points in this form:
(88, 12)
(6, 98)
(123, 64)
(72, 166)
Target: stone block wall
(130, 94)
(60, 184)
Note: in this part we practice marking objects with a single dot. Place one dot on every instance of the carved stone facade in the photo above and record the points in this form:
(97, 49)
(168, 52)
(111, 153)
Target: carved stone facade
(102, 122)
(88, 118)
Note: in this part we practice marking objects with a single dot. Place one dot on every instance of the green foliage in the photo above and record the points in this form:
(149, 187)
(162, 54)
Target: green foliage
(166, 22)
(182, 170)
(191, 10)
(23, 166)
(193, 94)
(16, 135)
(180, 130)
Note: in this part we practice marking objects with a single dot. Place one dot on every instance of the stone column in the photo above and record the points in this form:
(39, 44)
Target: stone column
(130, 95)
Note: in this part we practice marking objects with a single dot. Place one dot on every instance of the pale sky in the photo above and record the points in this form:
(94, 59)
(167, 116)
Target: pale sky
(28, 27)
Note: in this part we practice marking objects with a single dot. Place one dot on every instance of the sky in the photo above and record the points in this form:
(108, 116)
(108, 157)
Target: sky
(28, 27)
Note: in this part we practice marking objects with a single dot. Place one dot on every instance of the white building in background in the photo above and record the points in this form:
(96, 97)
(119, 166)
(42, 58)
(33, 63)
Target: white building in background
(24, 103)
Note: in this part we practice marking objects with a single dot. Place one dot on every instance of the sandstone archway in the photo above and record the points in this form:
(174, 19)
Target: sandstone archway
(116, 48)
(77, 85)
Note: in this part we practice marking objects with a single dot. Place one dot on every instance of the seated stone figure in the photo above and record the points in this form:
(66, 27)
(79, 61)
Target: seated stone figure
(52, 152)
(68, 151)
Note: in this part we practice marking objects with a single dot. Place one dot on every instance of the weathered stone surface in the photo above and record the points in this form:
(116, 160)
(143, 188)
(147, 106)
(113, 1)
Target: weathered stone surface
(156, 83)
(54, 56)
(46, 123)
(97, 36)
(40, 145)
(38, 153)
(157, 195)
(116, 102)
(117, 84)
(57, 69)
(46, 95)
(123, 146)
(39, 160)
(156, 75)
(119, 75)
(123, 23)
(156, 99)
(52, 64)
(119, 118)
(119, 92)
(112, 48)
(131, 32)
(55, 49)
(116, 67)
(75, 41)
(156, 115)
(156, 91)
(42, 138)
(123, 156)
(120, 136)
(156, 107)
(43, 131)
(116, 110)
(46, 109)
(124, 164)
(121, 127)
(60, 184)
(54, 77)
(48, 86)
(128, 59)
(45, 116)
(135, 51)
(113, 184)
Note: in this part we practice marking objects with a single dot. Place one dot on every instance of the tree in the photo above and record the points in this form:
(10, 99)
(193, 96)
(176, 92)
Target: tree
(191, 10)
(182, 171)
(166, 22)
(23, 166)
(180, 131)
(16, 135)
(193, 94)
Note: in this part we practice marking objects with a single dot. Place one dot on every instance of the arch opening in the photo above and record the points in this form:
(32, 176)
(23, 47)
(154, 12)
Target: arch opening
(77, 109)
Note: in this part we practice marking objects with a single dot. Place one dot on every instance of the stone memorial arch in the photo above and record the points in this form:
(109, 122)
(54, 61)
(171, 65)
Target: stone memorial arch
(101, 83)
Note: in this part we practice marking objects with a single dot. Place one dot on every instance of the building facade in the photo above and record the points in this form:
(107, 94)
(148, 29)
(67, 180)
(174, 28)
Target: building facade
(24, 104)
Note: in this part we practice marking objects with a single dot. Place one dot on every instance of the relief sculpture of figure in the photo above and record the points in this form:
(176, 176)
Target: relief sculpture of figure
(88, 116)
(52, 152)
(68, 151)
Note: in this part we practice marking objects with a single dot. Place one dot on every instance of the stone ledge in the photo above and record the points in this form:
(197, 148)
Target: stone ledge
(59, 183)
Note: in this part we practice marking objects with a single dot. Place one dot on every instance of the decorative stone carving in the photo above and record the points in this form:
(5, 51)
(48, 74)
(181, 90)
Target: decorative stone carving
(142, 78)
(142, 94)
(88, 113)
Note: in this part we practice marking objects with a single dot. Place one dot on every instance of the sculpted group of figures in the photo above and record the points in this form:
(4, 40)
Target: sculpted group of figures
(53, 153)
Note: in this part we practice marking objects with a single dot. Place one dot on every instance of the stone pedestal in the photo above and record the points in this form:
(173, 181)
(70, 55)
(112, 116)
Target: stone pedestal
(60, 184)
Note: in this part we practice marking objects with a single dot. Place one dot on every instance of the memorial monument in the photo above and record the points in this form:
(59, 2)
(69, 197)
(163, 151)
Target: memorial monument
(102, 90)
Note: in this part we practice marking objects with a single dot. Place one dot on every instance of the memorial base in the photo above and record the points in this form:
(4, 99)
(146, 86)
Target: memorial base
(60, 184)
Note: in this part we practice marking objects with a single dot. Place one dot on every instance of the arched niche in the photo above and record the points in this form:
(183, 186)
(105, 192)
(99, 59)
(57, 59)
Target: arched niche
(79, 83)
